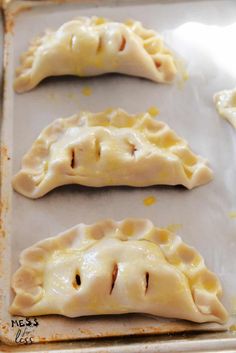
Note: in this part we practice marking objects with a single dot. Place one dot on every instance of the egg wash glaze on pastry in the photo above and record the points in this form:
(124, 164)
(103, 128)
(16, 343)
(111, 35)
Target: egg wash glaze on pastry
(115, 268)
(90, 47)
(110, 148)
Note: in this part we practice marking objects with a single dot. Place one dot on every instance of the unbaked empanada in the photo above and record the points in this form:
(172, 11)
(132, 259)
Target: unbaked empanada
(95, 46)
(116, 268)
(225, 102)
(105, 149)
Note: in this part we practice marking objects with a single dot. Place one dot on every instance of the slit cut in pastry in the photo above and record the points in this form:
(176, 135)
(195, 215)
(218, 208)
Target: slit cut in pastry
(94, 46)
(225, 102)
(116, 268)
(107, 149)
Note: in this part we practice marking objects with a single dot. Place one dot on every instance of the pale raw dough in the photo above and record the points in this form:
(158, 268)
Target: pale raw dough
(95, 46)
(106, 149)
(225, 102)
(116, 268)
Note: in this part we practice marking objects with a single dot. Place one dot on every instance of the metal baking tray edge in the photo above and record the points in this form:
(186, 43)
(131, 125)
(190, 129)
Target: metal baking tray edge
(213, 342)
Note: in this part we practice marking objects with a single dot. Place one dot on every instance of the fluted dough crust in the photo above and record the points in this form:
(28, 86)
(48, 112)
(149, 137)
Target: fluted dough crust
(113, 268)
(94, 46)
(225, 102)
(105, 149)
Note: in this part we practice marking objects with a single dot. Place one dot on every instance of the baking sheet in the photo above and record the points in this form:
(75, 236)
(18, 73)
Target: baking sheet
(194, 343)
(202, 32)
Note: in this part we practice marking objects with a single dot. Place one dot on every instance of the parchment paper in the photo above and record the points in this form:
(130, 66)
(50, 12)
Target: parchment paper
(201, 32)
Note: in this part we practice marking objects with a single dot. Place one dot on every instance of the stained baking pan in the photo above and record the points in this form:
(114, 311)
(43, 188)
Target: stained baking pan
(202, 33)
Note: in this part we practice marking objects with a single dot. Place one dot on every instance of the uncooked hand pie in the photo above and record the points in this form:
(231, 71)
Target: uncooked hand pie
(113, 268)
(105, 149)
(225, 102)
(95, 46)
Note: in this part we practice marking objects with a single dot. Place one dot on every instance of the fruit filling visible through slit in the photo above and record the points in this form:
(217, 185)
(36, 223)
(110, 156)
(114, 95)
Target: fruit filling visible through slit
(114, 276)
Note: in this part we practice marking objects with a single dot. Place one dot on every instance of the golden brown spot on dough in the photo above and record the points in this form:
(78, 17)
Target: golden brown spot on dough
(188, 255)
(167, 141)
(128, 228)
(209, 282)
(129, 22)
(188, 158)
(188, 172)
(162, 236)
(95, 232)
(100, 21)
